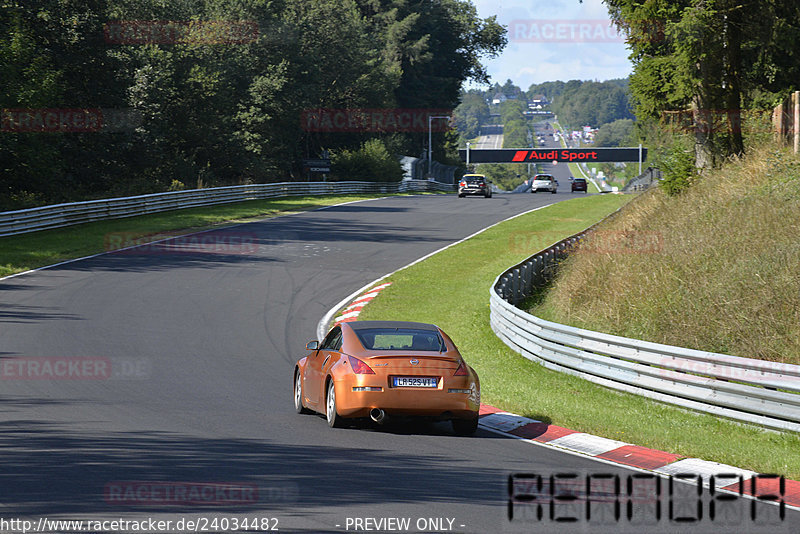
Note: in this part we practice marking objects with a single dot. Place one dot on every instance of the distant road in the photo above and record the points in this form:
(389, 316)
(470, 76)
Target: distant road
(492, 137)
(560, 171)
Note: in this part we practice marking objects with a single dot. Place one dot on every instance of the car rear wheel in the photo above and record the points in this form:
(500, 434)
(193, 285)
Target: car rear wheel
(334, 421)
(298, 394)
(465, 427)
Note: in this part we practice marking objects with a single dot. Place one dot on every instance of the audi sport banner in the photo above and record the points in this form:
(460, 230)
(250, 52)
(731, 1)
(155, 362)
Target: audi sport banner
(543, 155)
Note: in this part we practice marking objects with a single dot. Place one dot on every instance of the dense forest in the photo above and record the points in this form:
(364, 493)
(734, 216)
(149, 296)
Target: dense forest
(589, 103)
(116, 97)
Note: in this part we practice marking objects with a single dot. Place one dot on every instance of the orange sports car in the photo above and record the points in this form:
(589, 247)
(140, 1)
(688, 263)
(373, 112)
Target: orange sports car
(379, 369)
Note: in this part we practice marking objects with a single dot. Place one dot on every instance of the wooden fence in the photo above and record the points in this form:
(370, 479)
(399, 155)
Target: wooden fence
(786, 119)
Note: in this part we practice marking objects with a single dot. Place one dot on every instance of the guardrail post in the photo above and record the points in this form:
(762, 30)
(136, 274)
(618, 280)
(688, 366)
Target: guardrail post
(527, 268)
(515, 286)
(507, 288)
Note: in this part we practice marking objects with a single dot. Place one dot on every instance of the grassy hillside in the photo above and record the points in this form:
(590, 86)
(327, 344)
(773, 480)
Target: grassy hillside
(716, 268)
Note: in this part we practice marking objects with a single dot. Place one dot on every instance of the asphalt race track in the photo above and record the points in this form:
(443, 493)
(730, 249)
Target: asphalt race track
(492, 137)
(185, 385)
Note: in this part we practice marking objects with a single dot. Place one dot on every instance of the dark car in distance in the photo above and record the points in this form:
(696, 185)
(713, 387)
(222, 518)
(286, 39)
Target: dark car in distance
(474, 184)
(579, 184)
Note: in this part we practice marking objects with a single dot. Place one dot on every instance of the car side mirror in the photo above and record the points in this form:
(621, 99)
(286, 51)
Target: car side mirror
(312, 345)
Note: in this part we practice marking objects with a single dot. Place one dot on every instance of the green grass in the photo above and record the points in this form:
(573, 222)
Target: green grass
(28, 251)
(451, 289)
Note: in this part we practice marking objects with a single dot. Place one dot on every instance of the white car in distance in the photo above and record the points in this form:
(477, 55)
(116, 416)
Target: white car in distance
(544, 182)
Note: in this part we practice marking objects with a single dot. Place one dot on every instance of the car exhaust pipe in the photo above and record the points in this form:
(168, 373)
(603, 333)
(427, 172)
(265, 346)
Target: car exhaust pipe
(377, 415)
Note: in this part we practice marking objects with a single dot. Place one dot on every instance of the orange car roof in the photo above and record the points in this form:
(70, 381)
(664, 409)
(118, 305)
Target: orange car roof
(361, 325)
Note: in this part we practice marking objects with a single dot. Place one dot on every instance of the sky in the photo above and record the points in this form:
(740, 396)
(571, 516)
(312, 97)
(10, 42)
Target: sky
(555, 40)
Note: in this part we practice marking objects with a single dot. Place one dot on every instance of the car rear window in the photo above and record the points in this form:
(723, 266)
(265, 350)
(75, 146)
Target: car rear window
(580, 180)
(400, 339)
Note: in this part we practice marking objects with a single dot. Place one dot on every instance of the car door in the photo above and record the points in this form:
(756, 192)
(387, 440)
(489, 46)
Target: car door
(314, 373)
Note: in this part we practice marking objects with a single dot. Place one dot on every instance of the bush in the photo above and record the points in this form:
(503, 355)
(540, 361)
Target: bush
(677, 168)
(371, 162)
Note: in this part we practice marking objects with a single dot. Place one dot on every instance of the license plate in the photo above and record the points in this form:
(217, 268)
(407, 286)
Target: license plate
(413, 382)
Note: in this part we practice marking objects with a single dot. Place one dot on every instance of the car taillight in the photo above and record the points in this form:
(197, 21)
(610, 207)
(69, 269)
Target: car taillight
(463, 184)
(483, 184)
(359, 367)
(462, 369)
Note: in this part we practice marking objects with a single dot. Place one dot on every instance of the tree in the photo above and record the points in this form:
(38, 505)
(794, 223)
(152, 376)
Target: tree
(436, 46)
(372, 162)
(704, 55)
(617, 133)
(592, 103)
(471, 114)
(551, 90)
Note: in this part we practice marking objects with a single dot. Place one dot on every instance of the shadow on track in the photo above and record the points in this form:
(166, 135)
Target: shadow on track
(42, 460)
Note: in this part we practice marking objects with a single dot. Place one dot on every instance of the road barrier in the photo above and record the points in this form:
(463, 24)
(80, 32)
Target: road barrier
(755, 391)
(59, 215)
(643, 182)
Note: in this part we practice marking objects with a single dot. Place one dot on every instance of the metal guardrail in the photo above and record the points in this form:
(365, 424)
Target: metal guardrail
(650, 176)
(59, 215)
(755, 391)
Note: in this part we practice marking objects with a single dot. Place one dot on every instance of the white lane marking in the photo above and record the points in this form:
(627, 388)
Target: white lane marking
(349, 315)
(505, 421)
(695, 466)
(367, 296)
(351, 312)
(588, 443)
(356, 306)
(498, 141)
